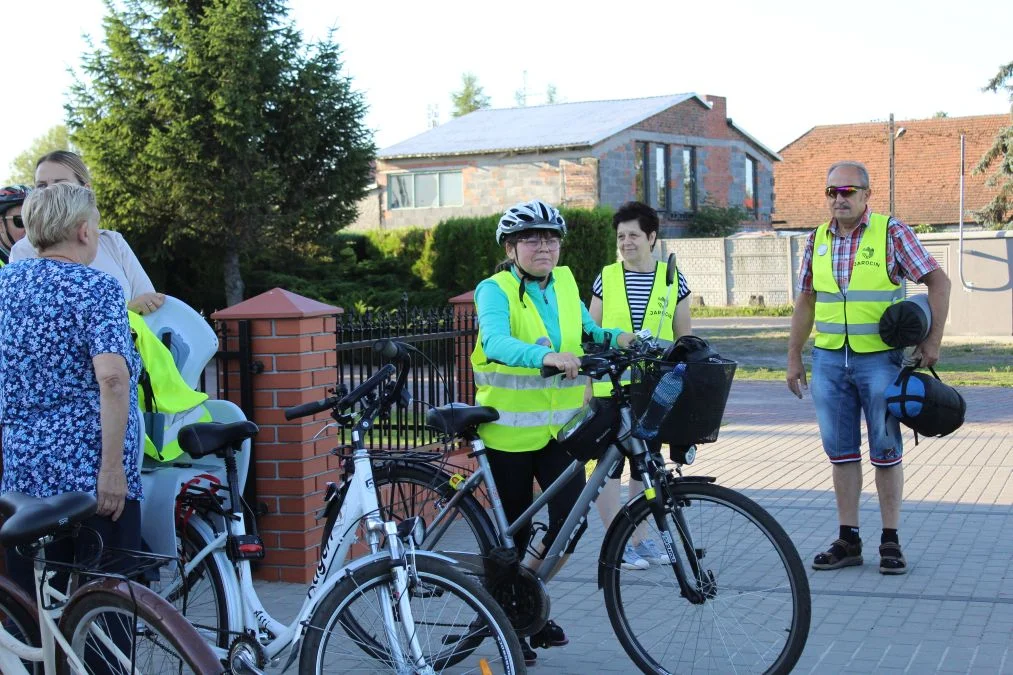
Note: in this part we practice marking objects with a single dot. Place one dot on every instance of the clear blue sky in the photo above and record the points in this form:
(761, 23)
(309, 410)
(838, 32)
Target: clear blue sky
(784, 66)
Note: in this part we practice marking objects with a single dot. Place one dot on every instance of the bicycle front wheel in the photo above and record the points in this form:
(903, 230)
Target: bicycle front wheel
(455, 623)
(116, 626)
(756, 609)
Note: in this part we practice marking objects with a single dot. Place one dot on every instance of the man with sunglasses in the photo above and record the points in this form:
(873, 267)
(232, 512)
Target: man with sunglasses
(851, 272)
(13, 231)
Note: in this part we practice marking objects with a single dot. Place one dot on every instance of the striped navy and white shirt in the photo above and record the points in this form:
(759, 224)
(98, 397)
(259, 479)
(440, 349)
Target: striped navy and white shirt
(638, 292)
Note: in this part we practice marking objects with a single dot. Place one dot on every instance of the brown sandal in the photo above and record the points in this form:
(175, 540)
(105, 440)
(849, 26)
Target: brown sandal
(841, 554)
(891, 559)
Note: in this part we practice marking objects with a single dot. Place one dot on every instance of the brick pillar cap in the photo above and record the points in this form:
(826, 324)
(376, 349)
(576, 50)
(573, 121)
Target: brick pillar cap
(463, 297)
(277, 303)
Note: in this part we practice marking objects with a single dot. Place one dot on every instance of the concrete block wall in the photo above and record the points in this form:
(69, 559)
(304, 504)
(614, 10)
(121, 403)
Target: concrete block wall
(736, 271)
(491, 185)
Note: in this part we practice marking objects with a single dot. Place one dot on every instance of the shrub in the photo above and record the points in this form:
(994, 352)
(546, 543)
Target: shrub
(590, 244)
(712, 220)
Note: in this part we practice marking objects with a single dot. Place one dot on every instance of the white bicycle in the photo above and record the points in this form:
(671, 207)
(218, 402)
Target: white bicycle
(109, 625)
(397, 609)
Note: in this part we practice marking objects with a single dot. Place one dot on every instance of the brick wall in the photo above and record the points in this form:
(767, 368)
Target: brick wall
(294, 338)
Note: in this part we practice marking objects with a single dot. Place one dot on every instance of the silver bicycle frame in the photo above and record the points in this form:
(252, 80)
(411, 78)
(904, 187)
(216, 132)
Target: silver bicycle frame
(506, 531)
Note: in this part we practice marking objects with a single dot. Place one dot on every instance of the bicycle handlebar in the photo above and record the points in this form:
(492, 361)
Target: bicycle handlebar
(389, 349)
(598, 365)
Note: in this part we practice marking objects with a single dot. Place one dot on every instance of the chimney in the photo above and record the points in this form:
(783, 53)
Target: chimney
(718, 105)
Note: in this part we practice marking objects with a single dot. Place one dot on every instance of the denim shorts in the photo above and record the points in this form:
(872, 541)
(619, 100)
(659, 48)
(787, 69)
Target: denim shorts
(845, 384)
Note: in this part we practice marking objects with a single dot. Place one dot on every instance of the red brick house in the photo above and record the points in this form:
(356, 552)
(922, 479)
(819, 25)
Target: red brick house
(673, 152)
(926, 173)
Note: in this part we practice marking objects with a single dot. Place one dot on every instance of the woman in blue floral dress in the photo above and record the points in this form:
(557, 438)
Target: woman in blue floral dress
(68, 375)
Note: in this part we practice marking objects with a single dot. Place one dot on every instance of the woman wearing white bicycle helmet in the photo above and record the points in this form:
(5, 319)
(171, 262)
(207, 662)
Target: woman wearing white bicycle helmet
(530, 315)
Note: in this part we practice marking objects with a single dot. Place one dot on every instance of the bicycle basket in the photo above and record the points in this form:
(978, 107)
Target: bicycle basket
(591, 431)
(696, 416)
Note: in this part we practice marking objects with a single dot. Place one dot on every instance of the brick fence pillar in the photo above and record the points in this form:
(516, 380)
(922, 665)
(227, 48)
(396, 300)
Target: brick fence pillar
(294, 338)
(464, 309)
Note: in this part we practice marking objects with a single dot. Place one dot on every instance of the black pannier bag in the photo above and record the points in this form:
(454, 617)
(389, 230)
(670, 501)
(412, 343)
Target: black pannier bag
(696, 416)
(587, 435)
(925, 404)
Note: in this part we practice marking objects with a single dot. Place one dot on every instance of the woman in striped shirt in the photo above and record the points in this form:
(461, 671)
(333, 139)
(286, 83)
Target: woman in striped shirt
(633, 291)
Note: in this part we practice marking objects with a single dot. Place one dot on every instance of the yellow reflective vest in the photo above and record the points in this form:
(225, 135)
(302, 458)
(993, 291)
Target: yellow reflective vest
(616, 309)
(853, 316)
(170, 394)
(531, 408)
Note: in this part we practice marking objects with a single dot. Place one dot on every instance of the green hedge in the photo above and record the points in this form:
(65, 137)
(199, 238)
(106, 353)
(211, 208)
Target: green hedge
(463, 251)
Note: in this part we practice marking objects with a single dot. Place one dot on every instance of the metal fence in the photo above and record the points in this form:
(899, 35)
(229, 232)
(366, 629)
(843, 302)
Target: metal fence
(440, 343)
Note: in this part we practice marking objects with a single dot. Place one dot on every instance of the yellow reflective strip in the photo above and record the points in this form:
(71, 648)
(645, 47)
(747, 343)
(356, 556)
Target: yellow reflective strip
(650, 494)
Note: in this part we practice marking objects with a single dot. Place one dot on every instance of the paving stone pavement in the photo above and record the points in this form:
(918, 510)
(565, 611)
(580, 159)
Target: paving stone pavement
(952, 612)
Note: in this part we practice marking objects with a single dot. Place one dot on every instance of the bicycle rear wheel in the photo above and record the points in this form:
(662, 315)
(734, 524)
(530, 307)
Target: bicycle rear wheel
(755, 618)
(203, 590)
(456, 623)
(117, 626)
(421, 489)
(18, 620)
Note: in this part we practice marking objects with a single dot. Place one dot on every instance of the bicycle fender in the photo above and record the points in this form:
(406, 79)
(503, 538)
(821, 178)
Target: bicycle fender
(159, 607)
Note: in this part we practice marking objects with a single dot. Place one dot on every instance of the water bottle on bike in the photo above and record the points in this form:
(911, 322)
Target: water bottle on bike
(664, 397)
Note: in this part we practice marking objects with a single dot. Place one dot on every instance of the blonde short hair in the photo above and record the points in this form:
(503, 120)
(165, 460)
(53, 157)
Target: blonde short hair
(53, 213)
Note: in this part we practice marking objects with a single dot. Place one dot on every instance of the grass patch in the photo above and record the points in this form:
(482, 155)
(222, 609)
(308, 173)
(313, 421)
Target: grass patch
(762, 355)
(705, 312)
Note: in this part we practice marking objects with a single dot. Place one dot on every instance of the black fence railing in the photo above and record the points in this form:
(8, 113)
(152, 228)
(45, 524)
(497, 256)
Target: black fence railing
(438, 338)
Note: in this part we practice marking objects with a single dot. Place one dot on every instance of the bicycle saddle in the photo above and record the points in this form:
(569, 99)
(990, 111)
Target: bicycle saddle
(205, 438)
(31, 518)
(454, 418)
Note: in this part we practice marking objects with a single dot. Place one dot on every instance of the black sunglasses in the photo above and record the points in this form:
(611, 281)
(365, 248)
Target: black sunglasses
(18, 222)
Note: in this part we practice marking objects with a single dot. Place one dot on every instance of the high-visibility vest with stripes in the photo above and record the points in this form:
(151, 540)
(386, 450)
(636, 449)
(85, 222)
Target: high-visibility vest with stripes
(615, 310)
(173, 403)
(531, 408)
(853, 316)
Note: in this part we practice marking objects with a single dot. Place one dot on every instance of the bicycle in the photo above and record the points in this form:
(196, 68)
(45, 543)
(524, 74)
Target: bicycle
(107, 625)
(397, 609)
(739, 599)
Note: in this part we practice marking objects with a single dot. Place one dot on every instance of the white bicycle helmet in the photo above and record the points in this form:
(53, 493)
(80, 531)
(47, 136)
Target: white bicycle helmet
(533, 215)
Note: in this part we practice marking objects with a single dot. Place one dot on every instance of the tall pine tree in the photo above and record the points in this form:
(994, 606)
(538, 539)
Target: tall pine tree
(998, 213)
(212, 132)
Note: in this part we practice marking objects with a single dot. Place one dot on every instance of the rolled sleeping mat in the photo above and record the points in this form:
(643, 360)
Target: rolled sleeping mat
(906, 323)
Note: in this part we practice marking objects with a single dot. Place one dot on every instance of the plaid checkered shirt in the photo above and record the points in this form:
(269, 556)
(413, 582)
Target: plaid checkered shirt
(906, 257)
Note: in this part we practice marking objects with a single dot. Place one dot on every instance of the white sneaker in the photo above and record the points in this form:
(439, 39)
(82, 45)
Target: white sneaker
(632, 561)
(648, 550)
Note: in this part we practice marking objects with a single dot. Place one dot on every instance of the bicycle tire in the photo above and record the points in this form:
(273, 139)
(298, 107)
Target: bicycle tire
(206, 599)
(406, 489)
(351, 604)
(171, 644)
(754, 566)
(20, 618)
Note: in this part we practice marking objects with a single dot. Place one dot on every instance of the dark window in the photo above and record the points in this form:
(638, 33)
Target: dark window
(751, 202)
(640, 171)
(661, 177)
(425, 190)
(689, 179)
